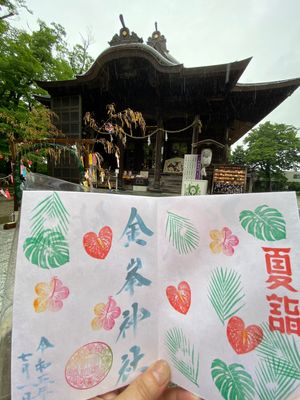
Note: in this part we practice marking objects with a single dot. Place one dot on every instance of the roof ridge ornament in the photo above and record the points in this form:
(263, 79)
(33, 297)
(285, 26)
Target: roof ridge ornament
(158, 41)
(124, 36)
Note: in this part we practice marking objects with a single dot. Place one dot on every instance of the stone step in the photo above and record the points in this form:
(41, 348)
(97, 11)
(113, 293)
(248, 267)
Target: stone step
(169, 183)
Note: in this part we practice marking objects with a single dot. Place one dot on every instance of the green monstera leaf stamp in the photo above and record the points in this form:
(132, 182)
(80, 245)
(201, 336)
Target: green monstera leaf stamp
(232, 381)
(47, 250)
(264, 223)
(48, 246)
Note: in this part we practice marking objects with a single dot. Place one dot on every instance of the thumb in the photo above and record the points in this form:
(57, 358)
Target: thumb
(149, 385)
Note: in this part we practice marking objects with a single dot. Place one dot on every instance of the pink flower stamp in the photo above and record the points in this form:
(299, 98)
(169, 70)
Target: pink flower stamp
(223, 241)
(105, 315)
(50, 295)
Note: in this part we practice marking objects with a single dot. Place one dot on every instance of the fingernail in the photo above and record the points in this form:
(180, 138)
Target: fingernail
(161, 372)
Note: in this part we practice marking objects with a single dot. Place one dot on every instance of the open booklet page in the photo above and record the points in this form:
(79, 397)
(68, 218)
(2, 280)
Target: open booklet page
(85, 303)
(229, 277)
(107, 284)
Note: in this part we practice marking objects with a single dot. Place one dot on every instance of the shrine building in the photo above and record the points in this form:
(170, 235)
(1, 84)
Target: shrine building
(195, 108)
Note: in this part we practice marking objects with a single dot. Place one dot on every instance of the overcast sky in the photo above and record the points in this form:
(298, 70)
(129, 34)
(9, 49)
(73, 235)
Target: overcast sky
(198, 33)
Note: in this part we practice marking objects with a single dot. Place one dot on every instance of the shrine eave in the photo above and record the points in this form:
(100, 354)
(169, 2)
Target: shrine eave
(229, 72)
(250, 103)
(260, 86)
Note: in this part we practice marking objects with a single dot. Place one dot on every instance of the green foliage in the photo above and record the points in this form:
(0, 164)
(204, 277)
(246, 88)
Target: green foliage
(80, 60)
(262, 181)
(9, 8)
(280, 353)
(183, 355)
(182, 233)
(26, 58)
(271, 385)
(272, 148)
(238, 156)
(22, 123)
(225, 293)
(232, 381)
(293, 186)
(264, 223)
(29, 57)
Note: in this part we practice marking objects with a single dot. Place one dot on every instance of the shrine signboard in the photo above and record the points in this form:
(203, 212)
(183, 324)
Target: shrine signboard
(192, 184)
(229, 179)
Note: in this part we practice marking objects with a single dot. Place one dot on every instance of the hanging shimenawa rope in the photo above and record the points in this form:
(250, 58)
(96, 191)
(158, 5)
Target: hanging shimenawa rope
(108, 127)
(166, 131)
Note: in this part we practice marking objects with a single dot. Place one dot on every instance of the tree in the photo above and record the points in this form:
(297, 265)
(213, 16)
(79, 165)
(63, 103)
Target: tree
(24, 59)
(9, 8)
(272, 149)
(80, 60)
(238, 156)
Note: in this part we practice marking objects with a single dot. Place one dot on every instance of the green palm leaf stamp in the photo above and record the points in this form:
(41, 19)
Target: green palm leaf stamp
(280, 352)
(225, 293)
(271, 385)
(50, 211)
(181, 233)
(182, 354)
(232, 381)
(264, 223)
(48, 247)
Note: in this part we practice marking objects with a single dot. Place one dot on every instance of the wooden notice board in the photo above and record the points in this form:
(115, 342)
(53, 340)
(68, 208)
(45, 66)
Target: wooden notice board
(228, 179)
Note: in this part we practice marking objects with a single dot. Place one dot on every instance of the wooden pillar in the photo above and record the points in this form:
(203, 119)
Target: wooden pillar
(226, 147)
(158, 144)
(250, 187)
(196, 130)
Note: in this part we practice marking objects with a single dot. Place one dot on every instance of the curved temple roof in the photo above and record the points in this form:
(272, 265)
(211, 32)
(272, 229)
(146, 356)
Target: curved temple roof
(177, 87)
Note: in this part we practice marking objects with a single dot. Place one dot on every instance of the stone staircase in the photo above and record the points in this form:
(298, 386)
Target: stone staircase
(169, 183)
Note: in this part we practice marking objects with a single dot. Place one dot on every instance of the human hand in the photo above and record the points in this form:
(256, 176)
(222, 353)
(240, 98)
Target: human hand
(151, 385)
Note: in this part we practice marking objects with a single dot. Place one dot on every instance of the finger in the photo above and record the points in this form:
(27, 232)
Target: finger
(107, 396)
(179, 394)
(110, 396)
(149, 385)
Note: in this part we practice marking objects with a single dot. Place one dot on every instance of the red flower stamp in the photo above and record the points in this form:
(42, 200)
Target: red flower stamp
(98, 246)
(180, 297)
(243, 339)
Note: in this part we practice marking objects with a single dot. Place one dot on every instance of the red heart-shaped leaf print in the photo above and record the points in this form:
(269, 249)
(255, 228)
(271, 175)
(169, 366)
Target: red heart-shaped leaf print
(243, 339)
(98, 246)
(180, 298)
